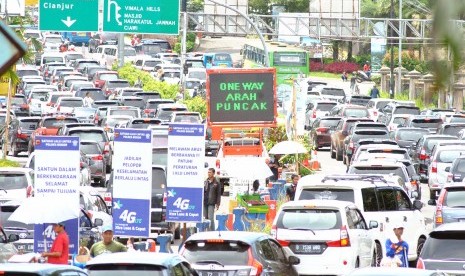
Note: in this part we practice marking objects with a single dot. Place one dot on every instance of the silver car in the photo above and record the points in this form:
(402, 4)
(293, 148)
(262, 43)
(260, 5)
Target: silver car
(97, 164)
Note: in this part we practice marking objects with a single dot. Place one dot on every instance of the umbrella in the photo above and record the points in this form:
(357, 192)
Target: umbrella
(251, 169)
(37, 210)
(288, 147)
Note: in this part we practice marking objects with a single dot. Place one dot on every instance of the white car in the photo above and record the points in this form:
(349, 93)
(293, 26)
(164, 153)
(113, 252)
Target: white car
(378, 199)
(396, 121)
(67, 104)
(16, 183)
(375, 105)
(330, 237)
(36, 99)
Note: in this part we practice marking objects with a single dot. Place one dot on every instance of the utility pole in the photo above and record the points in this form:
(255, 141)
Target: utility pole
(399, 86)
(391, 79)
(184, 39)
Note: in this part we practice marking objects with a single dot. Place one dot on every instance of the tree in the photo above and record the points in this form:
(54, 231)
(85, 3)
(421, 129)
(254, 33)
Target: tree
(263, 6)
(195, 5)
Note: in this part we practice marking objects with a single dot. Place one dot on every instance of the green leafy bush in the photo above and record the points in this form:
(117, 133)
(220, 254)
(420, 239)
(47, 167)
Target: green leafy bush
(9, 163)
(196, 104)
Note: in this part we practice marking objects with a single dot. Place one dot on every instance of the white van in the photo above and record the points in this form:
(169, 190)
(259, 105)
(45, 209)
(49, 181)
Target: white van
(107, 55)
(51, 57)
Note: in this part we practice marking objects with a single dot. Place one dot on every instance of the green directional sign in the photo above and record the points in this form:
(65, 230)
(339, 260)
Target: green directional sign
(141, 16)
(68, 15)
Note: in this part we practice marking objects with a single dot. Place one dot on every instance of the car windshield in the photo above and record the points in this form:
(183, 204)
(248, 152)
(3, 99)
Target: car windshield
(227, 252)
(381, 104)
(457, 119)
(90, 148)
(315, 219)
(42, 96)
(129, 52)
(18, 100)
(399, 120)
(325, 106)
(411, 135)
(71, 103)
(448, 156)
(187, 119)
(329, 122)
(377, 170)
(165, 113)
(151, 63)
(430, 143)
(407, 110)
(28, 124)
(52, 59)
(454, 197)
(115, 84)
(55, 122)
(356, 112)
(22, 73)
(5, 213)
(192, 84)
(127, 112)
(160, 156)
(444, 245)
(427, 123)
(137, 103)
(127, 270)
(107, 77)
(13, 181)
(325, 193)
(97, 136)
(460, 166)
(201, 75)
(333, 92)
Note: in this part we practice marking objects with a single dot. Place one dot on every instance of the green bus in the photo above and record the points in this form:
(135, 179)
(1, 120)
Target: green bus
(290, 63)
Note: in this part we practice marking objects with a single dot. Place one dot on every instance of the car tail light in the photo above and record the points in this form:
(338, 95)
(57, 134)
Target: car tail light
(21, 135)
(314, 114)
(322, 130)
(257, 267)
(29, 191)
(343, 241)
(147, 111)
(375, 113)
(420, 263)
(97, 158)
(442, 196)
(165, 199)
(218, 165)
(423, 154)
(50, 104)
(434, 167)
(106, 149)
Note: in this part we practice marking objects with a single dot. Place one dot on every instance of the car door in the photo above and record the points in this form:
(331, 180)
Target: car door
(365, 239)
(272, 265)
(355, 234)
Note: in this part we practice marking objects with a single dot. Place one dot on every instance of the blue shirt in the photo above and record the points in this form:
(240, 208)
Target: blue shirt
(400, 250)
(374, 93)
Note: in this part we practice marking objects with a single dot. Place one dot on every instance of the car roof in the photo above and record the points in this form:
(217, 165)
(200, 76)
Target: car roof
(171, 105)
(35, 267)
(318, 203)
(135, 257)
(452, 226)
(244, 236)
(343, 180)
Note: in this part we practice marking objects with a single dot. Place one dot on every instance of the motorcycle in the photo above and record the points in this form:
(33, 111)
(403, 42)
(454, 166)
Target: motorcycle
(362, 76)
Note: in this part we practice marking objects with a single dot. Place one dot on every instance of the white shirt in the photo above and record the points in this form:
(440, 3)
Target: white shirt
(88, 101)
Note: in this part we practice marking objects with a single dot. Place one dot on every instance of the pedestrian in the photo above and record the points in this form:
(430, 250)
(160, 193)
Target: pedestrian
(107, 245)
(353, 81)
(367, 69)
(396, 248)
(88, 101)
(211, 197)
(344, 76)
(290, 191)
(374, 93)
(59, 253)
(274, 167)
(113, 95)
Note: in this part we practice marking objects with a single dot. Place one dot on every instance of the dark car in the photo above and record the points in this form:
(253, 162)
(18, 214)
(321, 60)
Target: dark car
(408, 136)
(422, 150)
(443, 249)
(313, 84)
(152, 47)
(450, 205)
(211, 146)
(351, 142)
(152, 104)
(110, 85)
(19, 133)
(431, 123)
(240, 252)
(94, 154)
(148, 95)
(320, 131)
(132, 101)
(102, 39)
(354, 111)
(340, 133)
(99, 135)
(19, 105)
(451, 129)
(90, 70)
(359, 100)
(456, 170)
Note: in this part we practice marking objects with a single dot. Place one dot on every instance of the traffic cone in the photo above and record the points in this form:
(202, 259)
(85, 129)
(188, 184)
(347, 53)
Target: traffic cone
(315, 163)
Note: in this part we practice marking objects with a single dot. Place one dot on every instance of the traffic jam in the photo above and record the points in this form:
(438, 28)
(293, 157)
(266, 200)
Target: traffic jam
(115, 178)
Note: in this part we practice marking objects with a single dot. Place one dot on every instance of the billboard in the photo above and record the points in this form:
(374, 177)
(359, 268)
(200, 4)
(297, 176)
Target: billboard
(241, 97)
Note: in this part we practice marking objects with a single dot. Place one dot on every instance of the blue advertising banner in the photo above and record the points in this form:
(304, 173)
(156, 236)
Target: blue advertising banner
(44, 234)
(131, 217)
(132, 182)
(185, 172)
(57, 177)
(184, 204)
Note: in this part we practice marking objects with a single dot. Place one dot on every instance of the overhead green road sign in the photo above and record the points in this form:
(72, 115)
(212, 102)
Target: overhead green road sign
(141, 16)
(68, 15)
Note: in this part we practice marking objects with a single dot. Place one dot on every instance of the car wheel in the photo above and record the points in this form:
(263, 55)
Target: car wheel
(421, 243)
(378, 255)
(331, 150)
(357, 263)
(108, 168)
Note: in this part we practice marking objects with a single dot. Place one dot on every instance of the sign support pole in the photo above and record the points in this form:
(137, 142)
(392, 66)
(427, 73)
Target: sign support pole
(7, 123)
(183, 45)
(120, 50)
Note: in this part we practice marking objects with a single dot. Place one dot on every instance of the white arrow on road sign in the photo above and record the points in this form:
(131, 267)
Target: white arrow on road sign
(68, 22)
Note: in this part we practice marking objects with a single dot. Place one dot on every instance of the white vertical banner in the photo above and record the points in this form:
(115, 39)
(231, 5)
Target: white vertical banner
(132, 182)
(185, 172)
(56, 176)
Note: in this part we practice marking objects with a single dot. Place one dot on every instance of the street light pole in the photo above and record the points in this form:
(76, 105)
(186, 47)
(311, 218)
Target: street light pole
(391, 79)
(267, 62)
(399, 86)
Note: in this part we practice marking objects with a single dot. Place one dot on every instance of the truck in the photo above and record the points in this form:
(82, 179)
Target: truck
(236, 145)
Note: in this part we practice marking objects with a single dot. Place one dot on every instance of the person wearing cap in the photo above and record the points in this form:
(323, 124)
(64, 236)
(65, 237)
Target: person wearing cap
(107, 245)
(397, 247)
(59, 253)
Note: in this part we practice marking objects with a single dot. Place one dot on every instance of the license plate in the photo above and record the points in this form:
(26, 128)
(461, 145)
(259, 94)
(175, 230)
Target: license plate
(308, 248)
(212, 273)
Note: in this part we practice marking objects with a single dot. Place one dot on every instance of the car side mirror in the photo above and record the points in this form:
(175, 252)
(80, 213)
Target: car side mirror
(98, 222)
(373, 224)
(447, 169)
(13, 237)
(417, 205)
(432, 202)
(293, 260)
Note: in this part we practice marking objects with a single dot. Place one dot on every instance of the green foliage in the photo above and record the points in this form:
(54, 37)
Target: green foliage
(196, 104)
(195, 5)
(190, 43)
(8, 163)
(409, 61)
(362, 59)
(129, 72)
